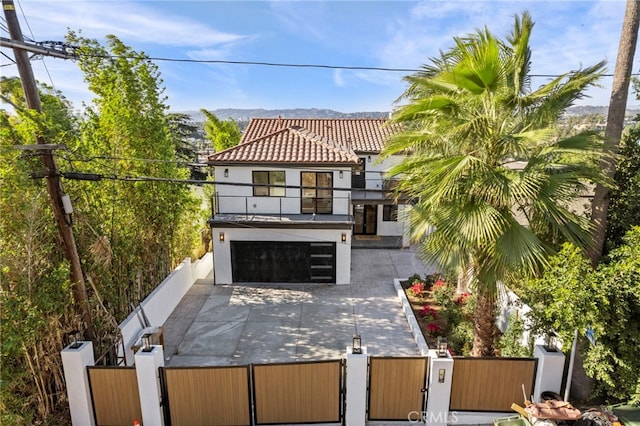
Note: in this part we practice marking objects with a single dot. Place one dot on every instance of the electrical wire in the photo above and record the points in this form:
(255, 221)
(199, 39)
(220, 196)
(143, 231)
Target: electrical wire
(292, 65)
(44, 62)
(132, 159)
(9, 58)
(298, 65)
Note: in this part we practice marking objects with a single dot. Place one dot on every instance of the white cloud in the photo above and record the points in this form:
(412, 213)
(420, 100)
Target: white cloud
(129, 21)
(301, 18)
(567, 35)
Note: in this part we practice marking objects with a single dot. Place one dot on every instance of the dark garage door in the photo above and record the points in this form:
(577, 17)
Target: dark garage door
(285, 262)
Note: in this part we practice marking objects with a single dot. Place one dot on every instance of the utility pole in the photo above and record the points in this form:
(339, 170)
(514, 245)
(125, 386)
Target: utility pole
(52, 176)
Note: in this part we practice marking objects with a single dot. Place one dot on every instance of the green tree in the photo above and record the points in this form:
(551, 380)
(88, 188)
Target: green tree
(467, 116)
(131, 233)
(222, 134)
(35, 291)
(624, 198)
(187, 140)
(572, 295)
(615, 124)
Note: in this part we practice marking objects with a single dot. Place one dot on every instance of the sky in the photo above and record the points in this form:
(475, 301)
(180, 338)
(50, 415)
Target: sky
(567, 35)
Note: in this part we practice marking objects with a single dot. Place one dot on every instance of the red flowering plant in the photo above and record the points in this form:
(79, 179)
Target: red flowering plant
(443, 294)
(428, 312)
(417, 289)
(433, 329)
(439, 283)
(462, 298)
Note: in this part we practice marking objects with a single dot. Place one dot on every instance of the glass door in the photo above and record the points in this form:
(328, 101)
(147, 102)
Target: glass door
(366, 218)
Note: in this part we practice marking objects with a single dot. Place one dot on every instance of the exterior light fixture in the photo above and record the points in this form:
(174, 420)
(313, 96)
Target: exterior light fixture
(226, 172)
(442, 347)
(221, 236)
(552, 342)
(73, 340)
(368, 158)
(341, 174)
(344, 237)
(356, 348)
(146, 343)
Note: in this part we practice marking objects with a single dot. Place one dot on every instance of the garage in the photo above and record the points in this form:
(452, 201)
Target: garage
(286, 262)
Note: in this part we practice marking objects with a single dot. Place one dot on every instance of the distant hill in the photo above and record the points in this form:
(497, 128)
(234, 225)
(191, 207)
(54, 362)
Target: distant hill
(244, 115)
(600, 110)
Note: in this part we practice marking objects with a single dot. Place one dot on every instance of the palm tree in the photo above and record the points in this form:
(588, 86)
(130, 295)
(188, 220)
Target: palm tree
(489, 178)
(615, 122)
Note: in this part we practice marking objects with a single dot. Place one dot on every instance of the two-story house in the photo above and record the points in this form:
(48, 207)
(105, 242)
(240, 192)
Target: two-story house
(291, 196)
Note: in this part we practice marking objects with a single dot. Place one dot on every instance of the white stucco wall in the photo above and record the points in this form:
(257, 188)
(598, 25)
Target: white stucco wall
(222, 250)
(393, 229)
(240, 199)
(163, 300)
(375, 169)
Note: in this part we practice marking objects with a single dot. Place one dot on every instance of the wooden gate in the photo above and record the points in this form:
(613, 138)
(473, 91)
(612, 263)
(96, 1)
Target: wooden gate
(207, 396)
(309, 392)
(397, 388)
(115, 396)
(490, 384)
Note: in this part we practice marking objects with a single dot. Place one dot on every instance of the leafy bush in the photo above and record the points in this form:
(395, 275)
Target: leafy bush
(572, 295)
(510, 342)
(460, 339)
(443, 293)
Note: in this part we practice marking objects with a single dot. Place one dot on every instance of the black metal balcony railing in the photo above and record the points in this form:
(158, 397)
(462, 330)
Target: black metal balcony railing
(279, 206)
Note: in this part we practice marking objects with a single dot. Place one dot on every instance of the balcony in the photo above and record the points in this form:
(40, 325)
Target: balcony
(282, 210)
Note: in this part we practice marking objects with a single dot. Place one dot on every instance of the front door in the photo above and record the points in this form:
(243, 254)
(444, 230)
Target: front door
(365, 218)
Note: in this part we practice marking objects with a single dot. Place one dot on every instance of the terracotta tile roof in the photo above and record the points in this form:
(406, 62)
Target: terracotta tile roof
(307, 140)
(365, 135)
(288, 145)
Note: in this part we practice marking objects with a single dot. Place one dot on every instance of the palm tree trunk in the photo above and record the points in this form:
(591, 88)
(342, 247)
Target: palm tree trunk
(484, 324)
(465, 278)
(615, 123)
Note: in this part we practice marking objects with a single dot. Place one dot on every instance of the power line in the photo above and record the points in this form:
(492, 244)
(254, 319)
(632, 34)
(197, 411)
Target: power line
(132, 159)
(46, 68)
(70, 53)
(298, 65)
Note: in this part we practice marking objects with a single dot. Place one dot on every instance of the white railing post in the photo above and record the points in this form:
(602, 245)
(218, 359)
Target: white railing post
(549, 371)
(356, 406)
(147, 371)
(75, 359)
(439, 389)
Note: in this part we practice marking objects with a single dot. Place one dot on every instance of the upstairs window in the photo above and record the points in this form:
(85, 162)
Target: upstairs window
(265, 178)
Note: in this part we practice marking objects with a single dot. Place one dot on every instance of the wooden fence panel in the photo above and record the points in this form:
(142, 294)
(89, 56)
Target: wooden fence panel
(208, 395)
(396, 387)
(298, 393)
(490, 384)
(115, 396)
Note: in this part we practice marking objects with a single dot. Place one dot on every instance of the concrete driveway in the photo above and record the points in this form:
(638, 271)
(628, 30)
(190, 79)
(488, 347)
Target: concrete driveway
(240, 324)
